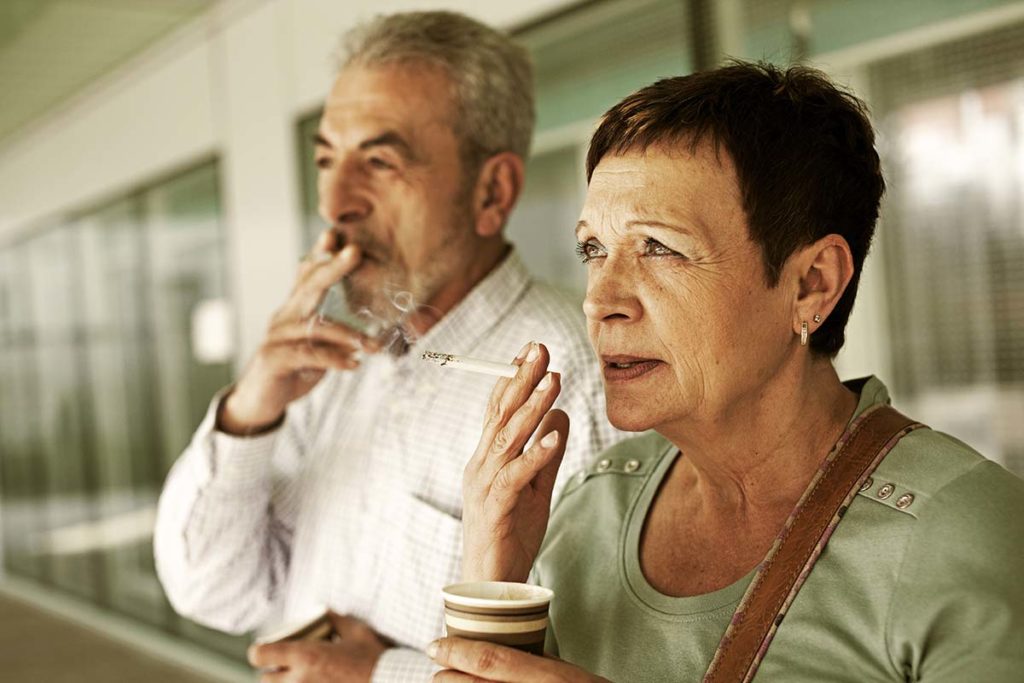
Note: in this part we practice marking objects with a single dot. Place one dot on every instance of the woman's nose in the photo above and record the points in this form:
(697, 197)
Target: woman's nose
(611, 294)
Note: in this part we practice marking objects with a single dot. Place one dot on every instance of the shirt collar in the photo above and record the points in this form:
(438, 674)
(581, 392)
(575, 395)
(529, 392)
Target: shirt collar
(872, 392)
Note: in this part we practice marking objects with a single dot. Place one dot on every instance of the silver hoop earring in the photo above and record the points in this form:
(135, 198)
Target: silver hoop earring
(804, 334)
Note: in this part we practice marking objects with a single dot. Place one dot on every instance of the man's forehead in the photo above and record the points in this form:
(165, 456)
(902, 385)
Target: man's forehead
(366, 102)
(404, 85)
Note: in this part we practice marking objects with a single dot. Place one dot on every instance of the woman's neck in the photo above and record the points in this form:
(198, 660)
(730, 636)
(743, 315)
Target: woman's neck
(762, 454)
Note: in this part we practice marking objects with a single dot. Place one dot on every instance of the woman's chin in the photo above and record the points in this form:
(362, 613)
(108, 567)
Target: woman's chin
(629, 418)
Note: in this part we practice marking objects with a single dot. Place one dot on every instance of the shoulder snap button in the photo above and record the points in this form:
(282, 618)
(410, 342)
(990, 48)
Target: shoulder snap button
(904, 501)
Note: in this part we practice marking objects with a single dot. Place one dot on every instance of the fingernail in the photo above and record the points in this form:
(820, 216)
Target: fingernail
(432, 649)
(544, 383)
(534, 353)
(522, 351)
(549, 440)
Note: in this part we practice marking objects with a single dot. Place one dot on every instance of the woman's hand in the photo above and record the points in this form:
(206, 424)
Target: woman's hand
(476, 660)
(506, 492)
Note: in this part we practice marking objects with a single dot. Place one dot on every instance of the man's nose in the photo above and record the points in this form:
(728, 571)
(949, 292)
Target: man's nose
(611, 294)
(341, 201)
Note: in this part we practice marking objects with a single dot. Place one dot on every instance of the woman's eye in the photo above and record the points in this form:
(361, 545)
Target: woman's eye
(589, 250)
(653, 247)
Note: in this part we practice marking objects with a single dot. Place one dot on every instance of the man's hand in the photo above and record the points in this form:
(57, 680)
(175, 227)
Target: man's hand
(469, 661)
(506, 492)
(299, 347)
(350, 656)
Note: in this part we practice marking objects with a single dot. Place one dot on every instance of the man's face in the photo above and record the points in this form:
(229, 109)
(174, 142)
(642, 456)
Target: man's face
(390, 180)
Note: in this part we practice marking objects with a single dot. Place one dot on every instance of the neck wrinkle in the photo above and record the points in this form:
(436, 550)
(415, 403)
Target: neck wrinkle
(763, 457)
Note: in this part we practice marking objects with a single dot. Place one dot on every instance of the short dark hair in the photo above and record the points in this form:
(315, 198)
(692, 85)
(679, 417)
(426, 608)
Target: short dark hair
(803, 149)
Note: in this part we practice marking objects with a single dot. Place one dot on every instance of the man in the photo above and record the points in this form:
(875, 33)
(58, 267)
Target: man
(330, 473)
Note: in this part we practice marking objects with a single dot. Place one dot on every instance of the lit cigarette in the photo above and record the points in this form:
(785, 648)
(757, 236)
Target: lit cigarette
(485, 367)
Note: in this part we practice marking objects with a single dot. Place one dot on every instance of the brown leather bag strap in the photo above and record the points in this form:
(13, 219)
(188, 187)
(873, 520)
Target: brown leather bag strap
(860, 449)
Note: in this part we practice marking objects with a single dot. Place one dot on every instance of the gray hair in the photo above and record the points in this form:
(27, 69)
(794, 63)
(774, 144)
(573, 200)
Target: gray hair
(491, 76)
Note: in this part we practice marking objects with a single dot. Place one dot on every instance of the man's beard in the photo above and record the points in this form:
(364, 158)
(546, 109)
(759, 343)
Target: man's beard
(385, 294)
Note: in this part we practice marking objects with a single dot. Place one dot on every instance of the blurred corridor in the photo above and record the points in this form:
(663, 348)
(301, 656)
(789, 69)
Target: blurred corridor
(157, 189)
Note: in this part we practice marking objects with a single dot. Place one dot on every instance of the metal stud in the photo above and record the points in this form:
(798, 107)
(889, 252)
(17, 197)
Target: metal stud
(904, 501)
(631, 466)
(868, 483)
(886, 491)
(604, 465)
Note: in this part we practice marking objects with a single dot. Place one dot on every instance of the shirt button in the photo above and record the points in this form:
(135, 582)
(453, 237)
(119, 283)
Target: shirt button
(868, 483)
(886, 491)
(604, 465)
(904, 501)
(632, 466)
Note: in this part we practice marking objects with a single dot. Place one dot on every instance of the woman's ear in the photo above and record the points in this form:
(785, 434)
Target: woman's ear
(823, 270)
(498, 186)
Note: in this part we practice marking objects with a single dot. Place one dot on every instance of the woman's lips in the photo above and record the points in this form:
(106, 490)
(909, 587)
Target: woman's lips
(624, 369)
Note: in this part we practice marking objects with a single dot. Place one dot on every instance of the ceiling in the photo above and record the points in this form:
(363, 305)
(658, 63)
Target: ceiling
(52, 49)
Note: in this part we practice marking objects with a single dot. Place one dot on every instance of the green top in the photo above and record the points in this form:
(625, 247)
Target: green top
(928, 591)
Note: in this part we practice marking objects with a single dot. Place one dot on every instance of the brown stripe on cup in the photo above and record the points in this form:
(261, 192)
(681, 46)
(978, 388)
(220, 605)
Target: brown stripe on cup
(515, 615)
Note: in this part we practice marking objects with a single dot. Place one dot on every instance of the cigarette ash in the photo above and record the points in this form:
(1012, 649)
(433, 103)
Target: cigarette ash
(441, 359)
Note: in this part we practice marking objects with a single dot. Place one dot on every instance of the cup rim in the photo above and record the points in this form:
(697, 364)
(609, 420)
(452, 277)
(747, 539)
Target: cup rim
(452, 594)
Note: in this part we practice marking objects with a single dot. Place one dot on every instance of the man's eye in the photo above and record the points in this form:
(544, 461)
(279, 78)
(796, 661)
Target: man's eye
(380, 164)
(653, 247)
(589, 250)
(323, 163)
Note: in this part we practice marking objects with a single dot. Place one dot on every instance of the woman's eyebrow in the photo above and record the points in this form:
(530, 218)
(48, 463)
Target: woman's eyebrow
(650, 223)
(643, 222)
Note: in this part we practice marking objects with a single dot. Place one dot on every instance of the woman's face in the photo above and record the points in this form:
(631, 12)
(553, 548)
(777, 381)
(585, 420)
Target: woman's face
(678, 309)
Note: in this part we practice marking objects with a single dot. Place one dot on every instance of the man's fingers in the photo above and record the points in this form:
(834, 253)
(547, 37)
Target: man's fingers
(301, 355)
(328, 241)
(269, 655)
(318, 278)
(327, 245)
(452, 676)
(487, 661)
(319, 331)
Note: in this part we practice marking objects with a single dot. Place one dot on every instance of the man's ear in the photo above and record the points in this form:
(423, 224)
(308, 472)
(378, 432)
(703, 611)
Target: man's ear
(498, 186)
(822, 271)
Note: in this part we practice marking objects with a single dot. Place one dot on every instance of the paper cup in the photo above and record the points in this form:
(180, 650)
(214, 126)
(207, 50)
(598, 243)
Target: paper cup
(513, 614)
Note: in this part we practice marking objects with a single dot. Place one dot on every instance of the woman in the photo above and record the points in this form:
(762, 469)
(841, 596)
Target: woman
(727, 219)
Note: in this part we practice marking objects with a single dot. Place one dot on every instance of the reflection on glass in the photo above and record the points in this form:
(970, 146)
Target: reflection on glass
(102, 388)
(956, 229)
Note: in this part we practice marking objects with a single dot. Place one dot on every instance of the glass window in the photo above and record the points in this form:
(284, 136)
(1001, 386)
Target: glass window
(115, 332)
(66, 451)
(951, 133)
(23, 512)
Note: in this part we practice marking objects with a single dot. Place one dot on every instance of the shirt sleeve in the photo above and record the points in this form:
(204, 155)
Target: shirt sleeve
(958, 611)
(403, 665)
(221, 551)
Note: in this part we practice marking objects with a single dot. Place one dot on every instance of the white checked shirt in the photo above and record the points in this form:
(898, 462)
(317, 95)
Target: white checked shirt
(355, 502)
